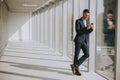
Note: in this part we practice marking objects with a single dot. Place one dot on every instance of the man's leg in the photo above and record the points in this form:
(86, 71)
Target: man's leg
(74, 67)
(85, 50)
(76, 55)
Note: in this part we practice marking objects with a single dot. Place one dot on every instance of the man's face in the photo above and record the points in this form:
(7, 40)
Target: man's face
(86, 15)
(110, 16)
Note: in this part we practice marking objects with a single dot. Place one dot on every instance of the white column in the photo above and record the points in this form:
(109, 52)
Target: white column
(70, 28)
(61, 28)
(37, 26)
(32, 22)
(56, 26)
(46, 26)
(64, 27)
(31, 26)
(51, 26)
(1, 24)
(117, 74)
(42, 23)
(92, 36)
(76, 15)
(49, 15)
(39, 18)
(34, 27)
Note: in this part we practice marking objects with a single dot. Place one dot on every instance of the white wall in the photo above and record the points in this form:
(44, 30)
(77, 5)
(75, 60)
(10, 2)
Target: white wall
(16, 21)
(3, 26)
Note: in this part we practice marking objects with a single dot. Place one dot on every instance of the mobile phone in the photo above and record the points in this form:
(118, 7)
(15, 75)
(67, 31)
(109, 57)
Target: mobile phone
(91, 23)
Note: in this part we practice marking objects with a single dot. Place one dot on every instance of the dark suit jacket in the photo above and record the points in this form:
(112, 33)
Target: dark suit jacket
(109, 34)
(81, 31)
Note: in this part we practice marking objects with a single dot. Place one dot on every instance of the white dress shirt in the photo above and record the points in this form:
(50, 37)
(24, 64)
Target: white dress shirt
(85, 23)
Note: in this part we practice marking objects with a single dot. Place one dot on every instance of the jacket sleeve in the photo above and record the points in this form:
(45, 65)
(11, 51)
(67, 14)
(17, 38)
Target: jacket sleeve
(105, 28)
(89, 31)
(81, 30)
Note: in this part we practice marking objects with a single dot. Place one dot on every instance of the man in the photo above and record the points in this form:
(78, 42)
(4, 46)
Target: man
(109, 34)
(83, 28)
(109, 29)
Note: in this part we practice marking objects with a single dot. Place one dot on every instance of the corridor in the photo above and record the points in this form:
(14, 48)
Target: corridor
(37, 39)
(31, 61)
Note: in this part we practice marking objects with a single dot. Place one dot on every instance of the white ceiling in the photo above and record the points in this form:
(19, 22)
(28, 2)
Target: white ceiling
(24, 5)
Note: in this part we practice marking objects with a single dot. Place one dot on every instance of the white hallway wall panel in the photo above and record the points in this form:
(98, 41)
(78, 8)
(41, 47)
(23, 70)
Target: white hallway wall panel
(3, 26)
(18, 24)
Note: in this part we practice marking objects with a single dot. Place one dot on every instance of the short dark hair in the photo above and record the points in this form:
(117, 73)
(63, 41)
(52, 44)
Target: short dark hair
(86, 10)
(109, 12)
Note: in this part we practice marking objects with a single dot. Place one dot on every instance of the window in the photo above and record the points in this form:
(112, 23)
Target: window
(105, 38)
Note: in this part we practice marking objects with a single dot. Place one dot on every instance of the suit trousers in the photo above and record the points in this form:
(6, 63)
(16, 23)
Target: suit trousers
(85, 49)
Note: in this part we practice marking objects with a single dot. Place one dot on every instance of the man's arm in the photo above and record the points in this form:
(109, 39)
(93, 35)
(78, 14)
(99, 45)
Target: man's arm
(90, 28)
(89, 31)
(108, 29)
(80, 30)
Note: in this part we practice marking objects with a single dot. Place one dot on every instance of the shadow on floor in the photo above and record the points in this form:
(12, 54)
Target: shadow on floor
(38, 58)
(43, 68)
(29, 76)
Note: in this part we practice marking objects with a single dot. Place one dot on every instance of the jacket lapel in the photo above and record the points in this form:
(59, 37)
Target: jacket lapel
(81, 22)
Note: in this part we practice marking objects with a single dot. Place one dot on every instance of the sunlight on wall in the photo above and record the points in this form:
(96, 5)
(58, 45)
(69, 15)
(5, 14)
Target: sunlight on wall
(22, 34)
(15, 36)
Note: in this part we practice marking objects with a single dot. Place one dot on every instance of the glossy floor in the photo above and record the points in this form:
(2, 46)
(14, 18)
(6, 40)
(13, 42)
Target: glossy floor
(35, 62)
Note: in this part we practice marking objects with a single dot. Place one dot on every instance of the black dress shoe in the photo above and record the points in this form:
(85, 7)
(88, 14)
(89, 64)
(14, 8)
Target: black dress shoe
(77, 72)
(72, 68)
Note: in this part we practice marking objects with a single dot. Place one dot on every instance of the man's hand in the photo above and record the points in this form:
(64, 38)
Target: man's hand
(90, 26)
(111, 26)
